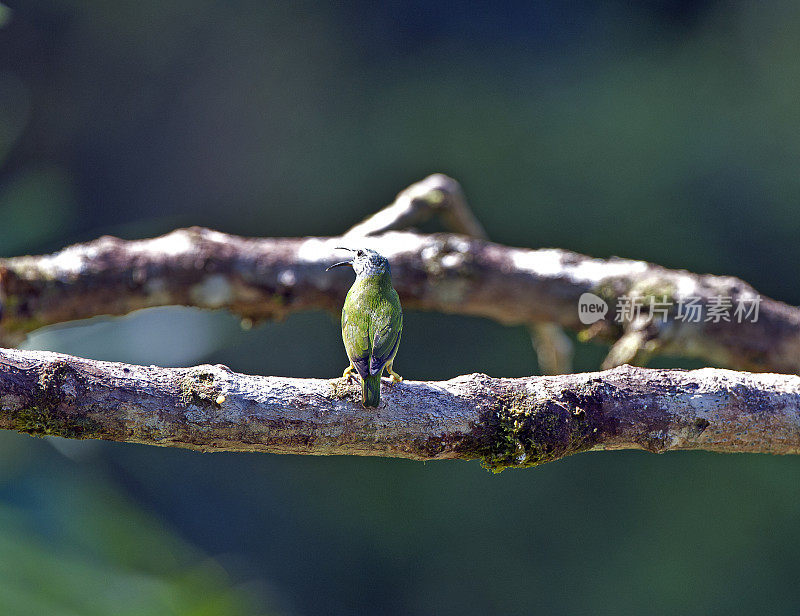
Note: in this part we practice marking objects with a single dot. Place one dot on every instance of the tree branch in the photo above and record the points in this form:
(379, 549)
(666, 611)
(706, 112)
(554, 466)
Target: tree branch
(435, 196)
(269, 278)
(505, 422)
(553, 347)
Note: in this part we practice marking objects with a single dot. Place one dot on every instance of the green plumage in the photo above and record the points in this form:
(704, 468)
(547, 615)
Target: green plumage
(372, 322)
(371, 390)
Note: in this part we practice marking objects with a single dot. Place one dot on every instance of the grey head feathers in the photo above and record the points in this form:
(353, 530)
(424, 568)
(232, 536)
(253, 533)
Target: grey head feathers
(366, 262)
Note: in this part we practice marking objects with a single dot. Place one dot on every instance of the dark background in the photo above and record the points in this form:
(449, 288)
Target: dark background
(660, 130)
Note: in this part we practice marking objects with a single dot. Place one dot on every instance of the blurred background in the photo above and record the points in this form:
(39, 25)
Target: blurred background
(666, 130)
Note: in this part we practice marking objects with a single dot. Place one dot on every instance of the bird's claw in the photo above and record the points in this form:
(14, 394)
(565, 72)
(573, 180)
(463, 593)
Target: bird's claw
(395, 378)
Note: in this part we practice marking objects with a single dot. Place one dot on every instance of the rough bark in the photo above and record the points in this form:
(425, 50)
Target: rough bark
(270, 278)
(505, 422)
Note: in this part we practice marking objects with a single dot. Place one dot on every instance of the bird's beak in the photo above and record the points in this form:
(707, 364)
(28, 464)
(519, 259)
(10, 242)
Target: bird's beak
(340, 262)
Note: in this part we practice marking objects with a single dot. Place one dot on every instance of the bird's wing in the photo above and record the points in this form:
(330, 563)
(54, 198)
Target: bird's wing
(388, 327)
(357, 342)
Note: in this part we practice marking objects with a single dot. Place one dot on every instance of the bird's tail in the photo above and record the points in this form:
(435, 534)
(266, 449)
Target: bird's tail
(371, 390)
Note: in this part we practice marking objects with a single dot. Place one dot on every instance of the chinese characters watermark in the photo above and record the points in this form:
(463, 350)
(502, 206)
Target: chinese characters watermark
(716, 309)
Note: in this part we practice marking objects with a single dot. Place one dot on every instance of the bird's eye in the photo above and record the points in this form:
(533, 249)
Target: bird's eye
(360, 253)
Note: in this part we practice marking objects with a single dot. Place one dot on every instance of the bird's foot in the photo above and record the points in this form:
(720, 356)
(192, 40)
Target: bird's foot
(396, 378)
(348, 372)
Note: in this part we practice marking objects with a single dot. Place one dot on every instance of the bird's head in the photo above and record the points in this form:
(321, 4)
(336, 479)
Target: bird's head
(365, 262)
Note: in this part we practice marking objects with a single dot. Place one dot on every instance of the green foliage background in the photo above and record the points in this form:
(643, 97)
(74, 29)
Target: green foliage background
(667, 131)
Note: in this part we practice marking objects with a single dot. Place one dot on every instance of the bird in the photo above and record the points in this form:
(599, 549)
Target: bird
(372, 321)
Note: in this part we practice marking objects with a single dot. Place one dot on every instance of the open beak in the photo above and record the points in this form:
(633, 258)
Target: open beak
(340, 262)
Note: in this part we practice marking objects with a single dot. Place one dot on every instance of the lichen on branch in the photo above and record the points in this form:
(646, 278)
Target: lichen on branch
(503, 422)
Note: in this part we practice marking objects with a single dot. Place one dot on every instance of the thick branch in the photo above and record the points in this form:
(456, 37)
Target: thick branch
(506, 422)
(268, 278)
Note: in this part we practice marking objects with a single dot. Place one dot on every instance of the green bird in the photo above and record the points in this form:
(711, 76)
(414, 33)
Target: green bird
(372, 321)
